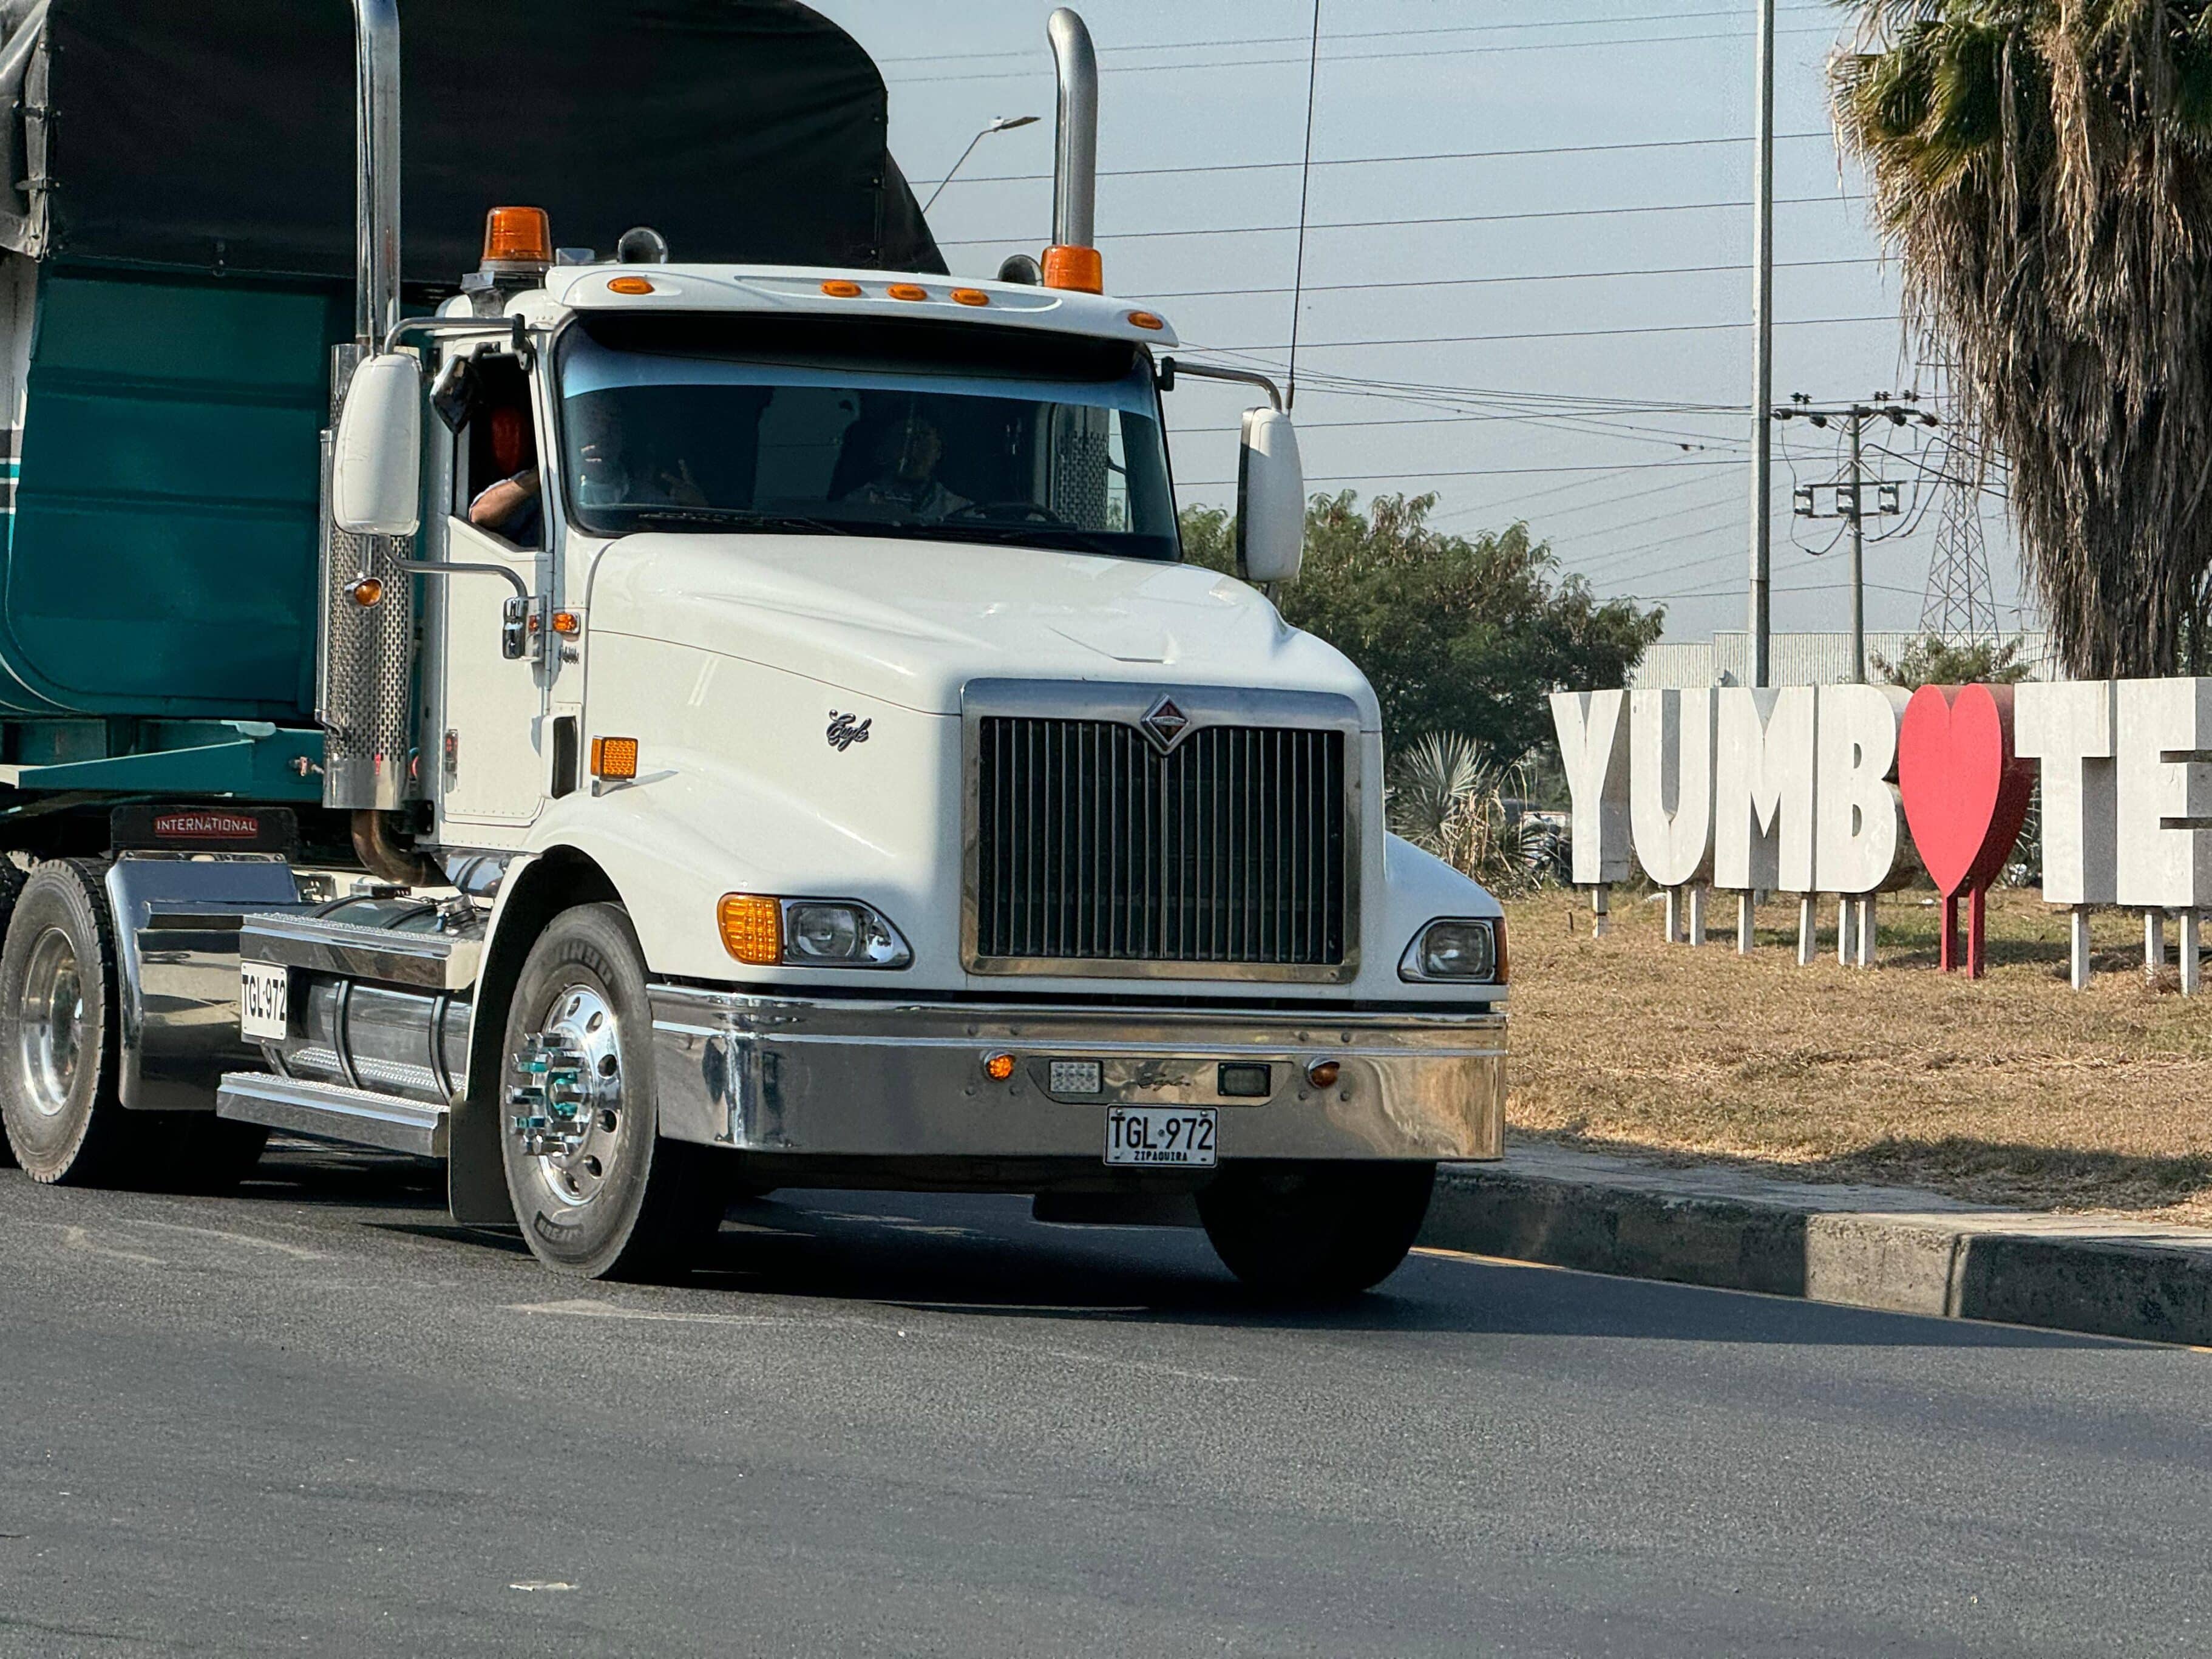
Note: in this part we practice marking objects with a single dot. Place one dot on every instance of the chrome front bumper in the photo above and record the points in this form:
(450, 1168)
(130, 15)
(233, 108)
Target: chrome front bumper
(887, 1080)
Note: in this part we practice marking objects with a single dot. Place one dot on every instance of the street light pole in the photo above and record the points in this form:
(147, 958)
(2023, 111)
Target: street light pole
(1762, 374)
(1002, 124)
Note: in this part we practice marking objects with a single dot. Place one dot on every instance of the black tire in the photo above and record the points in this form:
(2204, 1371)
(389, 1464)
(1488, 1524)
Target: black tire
(11, 888)
(59, 1055)
(1315, 1232)
(623, 1203)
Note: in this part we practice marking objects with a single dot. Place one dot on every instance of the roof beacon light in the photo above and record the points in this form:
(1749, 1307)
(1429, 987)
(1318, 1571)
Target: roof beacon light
(1077, 268)
(517, 236)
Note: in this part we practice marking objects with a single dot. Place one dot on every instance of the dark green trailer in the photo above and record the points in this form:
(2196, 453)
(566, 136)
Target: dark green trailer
(179, 264)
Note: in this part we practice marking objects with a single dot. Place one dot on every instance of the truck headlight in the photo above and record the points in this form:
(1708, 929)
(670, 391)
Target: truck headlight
(1463, 949)
(769, 931)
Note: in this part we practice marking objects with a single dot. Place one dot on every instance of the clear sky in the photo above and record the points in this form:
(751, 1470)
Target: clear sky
(1563, 335)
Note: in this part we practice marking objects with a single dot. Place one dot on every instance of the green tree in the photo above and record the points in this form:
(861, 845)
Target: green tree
(2043, 171)
(1931, 661)
(1457, 633)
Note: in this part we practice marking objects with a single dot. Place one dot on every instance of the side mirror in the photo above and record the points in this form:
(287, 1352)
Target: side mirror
(376, 467)
(1271, 499)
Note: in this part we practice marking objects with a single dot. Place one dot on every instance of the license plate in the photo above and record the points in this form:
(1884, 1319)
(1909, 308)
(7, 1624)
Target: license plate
(1160, 1134)
(264, 1000)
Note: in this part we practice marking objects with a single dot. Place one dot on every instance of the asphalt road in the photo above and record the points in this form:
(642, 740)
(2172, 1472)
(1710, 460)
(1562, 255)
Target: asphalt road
(316, 1418)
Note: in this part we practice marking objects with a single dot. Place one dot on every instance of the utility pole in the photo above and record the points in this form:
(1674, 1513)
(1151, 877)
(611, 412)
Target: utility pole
(1858, 554)
(1847, 497)
(1762, 373)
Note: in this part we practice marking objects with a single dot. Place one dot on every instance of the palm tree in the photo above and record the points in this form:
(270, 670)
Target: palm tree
(2043, 171)
(1449, 797)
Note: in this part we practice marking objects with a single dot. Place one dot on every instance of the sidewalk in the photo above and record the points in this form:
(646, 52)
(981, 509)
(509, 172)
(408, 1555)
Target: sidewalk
(1889, 1248)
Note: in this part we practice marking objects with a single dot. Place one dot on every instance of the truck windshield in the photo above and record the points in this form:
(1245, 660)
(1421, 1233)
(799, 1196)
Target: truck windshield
(925, 432)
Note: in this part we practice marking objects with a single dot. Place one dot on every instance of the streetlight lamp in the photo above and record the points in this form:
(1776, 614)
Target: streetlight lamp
(1003, 124)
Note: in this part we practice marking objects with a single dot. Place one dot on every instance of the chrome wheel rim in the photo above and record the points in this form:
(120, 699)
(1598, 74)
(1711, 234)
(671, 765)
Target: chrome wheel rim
(50, 1040)
(580, 1020)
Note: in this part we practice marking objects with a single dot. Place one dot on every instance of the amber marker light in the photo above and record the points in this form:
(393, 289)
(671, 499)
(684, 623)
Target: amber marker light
(567, 622)
(1322, 1073)
(1077, 268)
(629, 285)
(1146, 319)
(367, 592)
(907, 291)
(615, 758)
(752, 928)
(971, 296)
(838, 288)
(518, 235)
(998, 1067)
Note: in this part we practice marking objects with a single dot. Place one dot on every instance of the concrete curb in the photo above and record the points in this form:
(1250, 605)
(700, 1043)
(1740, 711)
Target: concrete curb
(1883, 1247)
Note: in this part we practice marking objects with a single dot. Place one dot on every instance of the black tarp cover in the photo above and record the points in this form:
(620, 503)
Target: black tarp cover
(219, 134)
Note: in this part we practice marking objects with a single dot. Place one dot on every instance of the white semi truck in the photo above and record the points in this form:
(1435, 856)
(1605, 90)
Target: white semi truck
(789, 749)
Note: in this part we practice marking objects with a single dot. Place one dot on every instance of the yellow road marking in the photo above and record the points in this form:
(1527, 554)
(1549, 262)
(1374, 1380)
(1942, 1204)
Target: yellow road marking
(1487, 1261)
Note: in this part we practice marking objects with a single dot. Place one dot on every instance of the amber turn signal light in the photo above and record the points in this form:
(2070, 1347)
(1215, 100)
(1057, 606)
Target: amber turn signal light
(752, 928)
(614, 757)
(998, 1067)
(518, 235)
(567, 622)
(1077, 268)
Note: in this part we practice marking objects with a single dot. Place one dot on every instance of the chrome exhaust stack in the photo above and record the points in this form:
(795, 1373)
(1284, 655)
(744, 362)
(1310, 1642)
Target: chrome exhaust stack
(376, 171)
(1072, 261)
(364, 672)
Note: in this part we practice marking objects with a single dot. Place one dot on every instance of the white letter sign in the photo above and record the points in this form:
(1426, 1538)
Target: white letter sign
(1594, 752)
(1763, 790)
(2066, 727)
(1670, 782)
(1857, 839)
(2165, 819)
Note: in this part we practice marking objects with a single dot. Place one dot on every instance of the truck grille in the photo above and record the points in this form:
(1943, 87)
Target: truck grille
(1091, 845)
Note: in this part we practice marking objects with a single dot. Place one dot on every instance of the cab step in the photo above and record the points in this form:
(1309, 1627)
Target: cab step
(330, 1111)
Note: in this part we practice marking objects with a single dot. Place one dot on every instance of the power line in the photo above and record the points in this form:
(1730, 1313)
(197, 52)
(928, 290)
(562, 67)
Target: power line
(1345, 34)
(1570, 333)
(1589, 425)
(1524, 498)
(1416, 391)
(1471, 472)
(1305, 179)
(1531, 277)
(1840, 198)
(1373, 160)
(1732, 591)
(1357, 57)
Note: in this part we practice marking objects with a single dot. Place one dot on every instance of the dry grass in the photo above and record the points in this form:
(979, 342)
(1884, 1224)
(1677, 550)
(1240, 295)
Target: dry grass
(2014, 1089)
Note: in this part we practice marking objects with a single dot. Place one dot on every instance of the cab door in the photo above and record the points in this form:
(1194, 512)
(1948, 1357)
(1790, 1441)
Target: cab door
(489, 746)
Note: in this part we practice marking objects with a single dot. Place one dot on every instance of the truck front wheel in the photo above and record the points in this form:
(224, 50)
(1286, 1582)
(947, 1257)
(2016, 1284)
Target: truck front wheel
(597, 1191)
(1315, 1232)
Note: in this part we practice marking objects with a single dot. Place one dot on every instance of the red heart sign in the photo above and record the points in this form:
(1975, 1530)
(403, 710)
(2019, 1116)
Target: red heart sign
(1966, 792)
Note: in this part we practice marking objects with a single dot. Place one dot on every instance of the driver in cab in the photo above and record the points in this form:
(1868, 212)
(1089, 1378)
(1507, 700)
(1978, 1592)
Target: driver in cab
(904, 483)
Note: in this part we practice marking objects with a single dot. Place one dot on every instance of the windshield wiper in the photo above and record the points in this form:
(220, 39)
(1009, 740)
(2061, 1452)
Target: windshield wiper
(738, 517)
